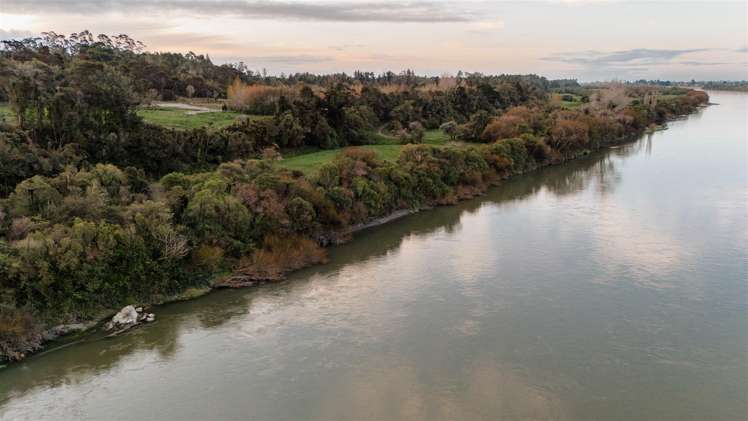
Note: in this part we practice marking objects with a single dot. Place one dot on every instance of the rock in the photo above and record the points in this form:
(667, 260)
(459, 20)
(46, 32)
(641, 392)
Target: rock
(126, 318)
(62, 330)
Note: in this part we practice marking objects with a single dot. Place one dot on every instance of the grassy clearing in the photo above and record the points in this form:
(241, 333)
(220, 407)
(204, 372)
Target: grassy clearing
(435, 137)
(570, 105)
(379, 138)
(386, 149)
(184, 119)
(570, 101)
(6, 114)
(309, 163)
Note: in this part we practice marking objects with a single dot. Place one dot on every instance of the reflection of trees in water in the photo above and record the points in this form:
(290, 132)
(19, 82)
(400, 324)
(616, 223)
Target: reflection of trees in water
(92, 354)
(598, 169)
(97, 354)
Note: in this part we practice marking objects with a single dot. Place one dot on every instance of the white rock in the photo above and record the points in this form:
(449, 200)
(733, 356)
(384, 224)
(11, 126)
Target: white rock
(126, 317)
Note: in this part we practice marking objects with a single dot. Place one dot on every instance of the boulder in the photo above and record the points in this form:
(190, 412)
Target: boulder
(125, 318)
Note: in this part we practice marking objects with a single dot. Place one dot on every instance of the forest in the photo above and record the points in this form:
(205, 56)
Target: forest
(101, 205)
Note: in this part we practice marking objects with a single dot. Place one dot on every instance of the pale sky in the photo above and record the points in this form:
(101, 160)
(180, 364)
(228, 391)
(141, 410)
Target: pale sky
(584, 39)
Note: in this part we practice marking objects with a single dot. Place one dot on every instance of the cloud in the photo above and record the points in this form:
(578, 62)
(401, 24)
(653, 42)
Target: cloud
(488, 25)
(625, 58)
(196, 42)
(14, 34)
(701, 63)
(347, 47)
(289, 59)
(340, 11)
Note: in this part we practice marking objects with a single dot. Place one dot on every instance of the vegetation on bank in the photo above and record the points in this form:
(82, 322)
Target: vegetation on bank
(737, 86)
(99, 208)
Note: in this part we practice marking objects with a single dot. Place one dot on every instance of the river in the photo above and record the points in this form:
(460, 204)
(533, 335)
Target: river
(611, 288)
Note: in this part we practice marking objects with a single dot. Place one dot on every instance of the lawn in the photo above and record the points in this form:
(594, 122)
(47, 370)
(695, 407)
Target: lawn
(309, 162)
(175, 118)
(167, 117)
(6, 114)
(570, 105)
(576, 101)
(435, 137)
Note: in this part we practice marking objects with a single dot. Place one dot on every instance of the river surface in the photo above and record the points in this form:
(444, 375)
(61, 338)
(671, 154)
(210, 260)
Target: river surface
(611, 288)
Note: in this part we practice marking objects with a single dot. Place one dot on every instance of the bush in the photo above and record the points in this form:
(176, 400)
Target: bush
(257, 99)
(19, 334)
(278, 256)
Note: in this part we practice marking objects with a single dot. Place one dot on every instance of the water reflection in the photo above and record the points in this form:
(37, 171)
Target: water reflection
(484, 390)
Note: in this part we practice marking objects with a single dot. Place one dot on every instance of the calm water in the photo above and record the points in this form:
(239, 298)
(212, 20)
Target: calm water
(613, 288)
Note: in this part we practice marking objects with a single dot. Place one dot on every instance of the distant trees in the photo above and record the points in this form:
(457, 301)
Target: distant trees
(81, 103)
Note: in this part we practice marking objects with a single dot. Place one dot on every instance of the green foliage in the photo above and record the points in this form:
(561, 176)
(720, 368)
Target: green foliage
(79, 268)
(7, 116)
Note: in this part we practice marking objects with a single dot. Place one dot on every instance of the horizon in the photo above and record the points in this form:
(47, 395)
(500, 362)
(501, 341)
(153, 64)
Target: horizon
(556, 39)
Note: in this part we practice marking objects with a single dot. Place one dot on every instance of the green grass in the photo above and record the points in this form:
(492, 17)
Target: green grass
(310, 161)
(166, 117)
(570, 105)
(181, 119)
(432, 137)
(576, 101)
(379, 138)
(435, 137)
(6, 114)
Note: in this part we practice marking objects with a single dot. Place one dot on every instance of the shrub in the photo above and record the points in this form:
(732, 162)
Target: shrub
(278, 256)
(257, 99)
(208, 257)
(19, 334)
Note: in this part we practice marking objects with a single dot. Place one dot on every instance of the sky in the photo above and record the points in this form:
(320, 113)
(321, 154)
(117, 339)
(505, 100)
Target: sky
(583, 39)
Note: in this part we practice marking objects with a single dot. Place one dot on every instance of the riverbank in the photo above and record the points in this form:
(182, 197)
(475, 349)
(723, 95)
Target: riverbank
(351, 193)
(588, 289)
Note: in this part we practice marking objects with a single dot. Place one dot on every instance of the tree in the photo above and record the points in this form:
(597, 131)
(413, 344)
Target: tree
(451, 129)
(567, 135)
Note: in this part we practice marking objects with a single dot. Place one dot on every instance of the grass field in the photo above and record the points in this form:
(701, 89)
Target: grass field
(576, 101)
(183, 119)
(435, 137)
(309, 163)
(6, 114)
(570, 105)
